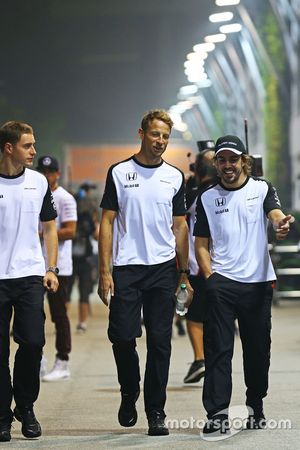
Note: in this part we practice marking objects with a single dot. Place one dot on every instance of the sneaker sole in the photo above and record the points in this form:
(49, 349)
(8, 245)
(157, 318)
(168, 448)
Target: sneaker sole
(81, 330)
(195, 376)
(57, 379)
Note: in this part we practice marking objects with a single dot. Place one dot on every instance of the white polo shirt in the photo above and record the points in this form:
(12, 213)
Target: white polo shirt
(146, 199)
(236, 221)
(25, 199)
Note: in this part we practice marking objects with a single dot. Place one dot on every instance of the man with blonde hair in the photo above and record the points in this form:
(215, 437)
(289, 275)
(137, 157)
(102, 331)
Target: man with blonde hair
(143, 229)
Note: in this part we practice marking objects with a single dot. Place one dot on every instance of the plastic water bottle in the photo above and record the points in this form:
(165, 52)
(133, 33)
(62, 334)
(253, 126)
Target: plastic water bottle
(181, 299)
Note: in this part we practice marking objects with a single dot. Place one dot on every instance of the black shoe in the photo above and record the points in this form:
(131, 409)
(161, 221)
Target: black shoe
(218, 424)
(5, 432)
(156, 423)
(256, 421)
(127, 414)
(196, 372)
(30, 426)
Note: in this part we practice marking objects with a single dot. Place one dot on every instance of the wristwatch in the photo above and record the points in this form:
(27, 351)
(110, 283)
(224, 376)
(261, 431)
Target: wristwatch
(53, 269)
(187, 271)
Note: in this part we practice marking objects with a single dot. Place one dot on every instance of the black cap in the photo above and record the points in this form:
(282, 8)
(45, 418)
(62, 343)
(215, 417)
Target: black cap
(47, 163)
(232, 143)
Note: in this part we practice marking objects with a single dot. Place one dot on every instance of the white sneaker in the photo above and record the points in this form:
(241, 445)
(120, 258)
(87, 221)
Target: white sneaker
(81, 328)
(43, 368)
(60, 371)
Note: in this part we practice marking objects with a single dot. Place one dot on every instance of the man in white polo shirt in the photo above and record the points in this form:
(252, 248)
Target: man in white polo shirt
(25, 199)
(143, 229)
(232, 250)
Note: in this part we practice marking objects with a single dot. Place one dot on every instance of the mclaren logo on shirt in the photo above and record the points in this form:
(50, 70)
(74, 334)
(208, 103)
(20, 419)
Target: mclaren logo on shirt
(131, 176)
(221, 201)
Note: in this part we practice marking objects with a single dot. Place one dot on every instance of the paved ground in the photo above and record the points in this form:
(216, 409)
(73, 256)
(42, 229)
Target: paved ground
(82, 412)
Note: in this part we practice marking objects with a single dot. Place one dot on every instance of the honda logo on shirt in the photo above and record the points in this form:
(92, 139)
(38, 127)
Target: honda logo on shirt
(221, 201)
(131, 176)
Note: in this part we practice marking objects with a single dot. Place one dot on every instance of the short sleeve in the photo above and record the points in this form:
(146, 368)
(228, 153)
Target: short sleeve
(179, 207)
(48, 211)
(110, 198)
(201, 228)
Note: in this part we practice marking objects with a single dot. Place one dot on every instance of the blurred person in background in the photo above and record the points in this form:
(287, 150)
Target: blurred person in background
(66, 228)
(85, 259)
(25, 200)
(142, 229)
(205, 175)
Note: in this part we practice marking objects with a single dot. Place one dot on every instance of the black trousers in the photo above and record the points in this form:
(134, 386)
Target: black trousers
(250, 303)
(196, 311)
(26, 297)
(151, 288)
(59, 316)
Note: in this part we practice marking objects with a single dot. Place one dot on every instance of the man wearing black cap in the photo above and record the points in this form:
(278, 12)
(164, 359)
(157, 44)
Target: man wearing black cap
(232, 250)
(66, 228)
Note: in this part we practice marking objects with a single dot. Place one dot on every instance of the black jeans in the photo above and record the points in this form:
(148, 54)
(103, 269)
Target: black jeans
(151, 287)
(250, 303)
(26, 297)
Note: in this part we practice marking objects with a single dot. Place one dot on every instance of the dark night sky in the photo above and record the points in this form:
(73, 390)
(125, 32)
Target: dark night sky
(86, 71)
